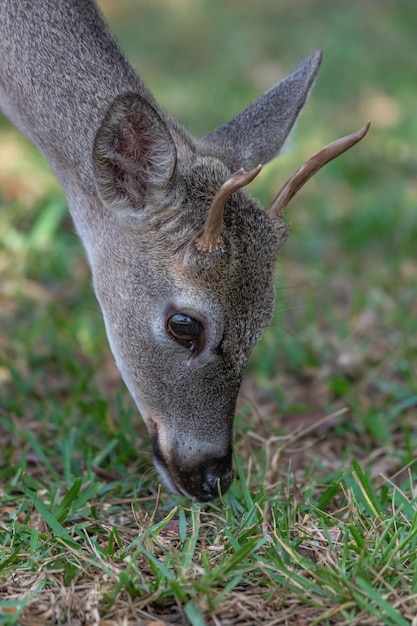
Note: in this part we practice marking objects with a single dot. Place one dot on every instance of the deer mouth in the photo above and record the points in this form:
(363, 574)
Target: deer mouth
(202, 481)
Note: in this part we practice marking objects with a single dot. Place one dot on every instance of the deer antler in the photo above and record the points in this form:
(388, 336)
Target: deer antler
(210, 240)
(310, 167)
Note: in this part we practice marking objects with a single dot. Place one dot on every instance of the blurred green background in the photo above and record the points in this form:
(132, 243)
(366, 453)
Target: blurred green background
(344, 333)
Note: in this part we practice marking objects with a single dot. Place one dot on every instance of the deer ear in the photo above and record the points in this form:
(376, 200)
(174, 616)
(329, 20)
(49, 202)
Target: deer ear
(134, 154)
(257, 133)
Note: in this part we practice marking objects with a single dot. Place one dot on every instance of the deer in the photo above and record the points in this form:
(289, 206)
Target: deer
(182, 258)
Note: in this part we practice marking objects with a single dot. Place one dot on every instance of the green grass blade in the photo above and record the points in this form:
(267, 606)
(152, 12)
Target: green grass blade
(381, 603)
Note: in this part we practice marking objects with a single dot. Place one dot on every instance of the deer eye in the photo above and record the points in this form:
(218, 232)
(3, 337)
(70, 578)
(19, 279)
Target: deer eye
(185, 330)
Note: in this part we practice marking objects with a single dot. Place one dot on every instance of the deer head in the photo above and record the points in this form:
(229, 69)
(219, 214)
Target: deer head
(185, 274)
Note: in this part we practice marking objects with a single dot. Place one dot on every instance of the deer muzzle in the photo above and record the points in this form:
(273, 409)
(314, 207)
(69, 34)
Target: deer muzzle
(202, 480)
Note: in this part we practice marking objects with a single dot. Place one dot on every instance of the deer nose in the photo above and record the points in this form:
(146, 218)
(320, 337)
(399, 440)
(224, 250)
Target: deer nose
(215, 481)
(204, 480)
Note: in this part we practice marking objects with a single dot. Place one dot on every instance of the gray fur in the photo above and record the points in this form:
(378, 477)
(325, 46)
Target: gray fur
(139, 188)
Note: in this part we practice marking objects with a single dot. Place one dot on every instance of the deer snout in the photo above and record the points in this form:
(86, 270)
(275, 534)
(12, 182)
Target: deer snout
(202, 480)
(208, 481)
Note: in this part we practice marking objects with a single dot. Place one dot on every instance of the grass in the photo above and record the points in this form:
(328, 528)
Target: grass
(320, 525)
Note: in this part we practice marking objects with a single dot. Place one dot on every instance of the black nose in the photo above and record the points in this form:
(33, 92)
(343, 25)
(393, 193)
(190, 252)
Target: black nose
(204, 481)
(208, 479)
(215, 481)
